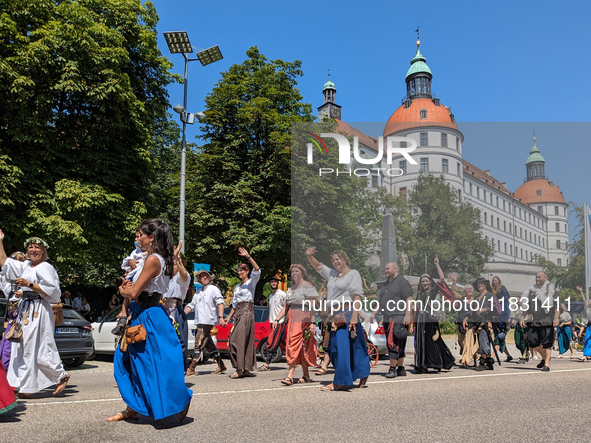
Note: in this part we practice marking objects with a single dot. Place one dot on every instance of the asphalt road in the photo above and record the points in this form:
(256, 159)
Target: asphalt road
(512, 403)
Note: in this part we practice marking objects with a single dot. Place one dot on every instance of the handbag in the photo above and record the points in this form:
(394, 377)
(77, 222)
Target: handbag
(214, 331)
(58, 313)
(135, 334)
(15, 334)
(339, 320)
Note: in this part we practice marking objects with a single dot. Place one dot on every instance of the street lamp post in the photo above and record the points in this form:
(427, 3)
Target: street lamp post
(178, 43)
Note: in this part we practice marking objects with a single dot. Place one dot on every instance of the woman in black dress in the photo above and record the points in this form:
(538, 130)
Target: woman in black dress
(430, 350)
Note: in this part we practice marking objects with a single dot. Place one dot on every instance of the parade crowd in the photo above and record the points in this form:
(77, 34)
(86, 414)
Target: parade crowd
(149, 363)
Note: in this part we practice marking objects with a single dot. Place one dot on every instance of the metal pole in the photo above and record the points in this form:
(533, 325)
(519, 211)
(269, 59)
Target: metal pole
(184, 157)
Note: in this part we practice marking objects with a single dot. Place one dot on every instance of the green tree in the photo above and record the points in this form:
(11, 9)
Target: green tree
(238, 189)
(446, 227)
(82, 94)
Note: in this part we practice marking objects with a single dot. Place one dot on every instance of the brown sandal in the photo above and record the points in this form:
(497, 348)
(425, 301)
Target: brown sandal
(287, 381)
(128, 414)
(321, 371)
(362, 382)
(62, 384)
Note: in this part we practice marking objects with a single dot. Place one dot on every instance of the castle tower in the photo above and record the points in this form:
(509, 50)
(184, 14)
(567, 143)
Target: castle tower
(329, 109)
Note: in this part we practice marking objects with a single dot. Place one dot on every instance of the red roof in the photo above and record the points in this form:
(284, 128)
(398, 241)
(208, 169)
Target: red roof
(470, 169)
(548, 192)
(370, 142)
(407, 118)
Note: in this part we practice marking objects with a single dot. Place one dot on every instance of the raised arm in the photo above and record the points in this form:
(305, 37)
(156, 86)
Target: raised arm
(313, 262)
(3, 256)
(439, 271)
(179, 263)
(244, 253)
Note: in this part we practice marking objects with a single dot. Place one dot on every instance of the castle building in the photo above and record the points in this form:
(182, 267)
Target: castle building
(519, 225)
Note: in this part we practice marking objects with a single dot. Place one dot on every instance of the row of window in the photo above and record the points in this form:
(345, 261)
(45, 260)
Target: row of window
(424, 138)
(506, 206)
(518, 251)
(533, 238)
(424, 166)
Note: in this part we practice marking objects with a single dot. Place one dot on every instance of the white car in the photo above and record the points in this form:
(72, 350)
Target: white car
(105, 341)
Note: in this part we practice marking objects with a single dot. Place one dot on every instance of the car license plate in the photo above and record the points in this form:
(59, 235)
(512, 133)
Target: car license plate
(67, 330)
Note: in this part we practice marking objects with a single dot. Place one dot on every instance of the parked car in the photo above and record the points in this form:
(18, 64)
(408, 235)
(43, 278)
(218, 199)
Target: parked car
(104, 341)
(375, 333)
(262, 330)
(73, 337)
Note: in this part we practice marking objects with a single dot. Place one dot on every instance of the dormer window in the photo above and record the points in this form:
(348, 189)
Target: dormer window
(539, 192)
(423, 114)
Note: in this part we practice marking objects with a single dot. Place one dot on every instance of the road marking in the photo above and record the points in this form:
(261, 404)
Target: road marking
(30, 403)
(316, 386)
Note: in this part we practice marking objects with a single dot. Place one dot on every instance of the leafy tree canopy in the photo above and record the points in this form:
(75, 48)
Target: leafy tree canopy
(82, 95)
(238, 188)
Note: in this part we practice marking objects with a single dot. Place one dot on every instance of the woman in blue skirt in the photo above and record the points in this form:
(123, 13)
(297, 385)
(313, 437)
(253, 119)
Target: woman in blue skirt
(150, 373)
(347, 345)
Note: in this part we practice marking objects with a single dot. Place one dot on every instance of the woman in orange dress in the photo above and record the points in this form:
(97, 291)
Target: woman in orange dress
(300, 348)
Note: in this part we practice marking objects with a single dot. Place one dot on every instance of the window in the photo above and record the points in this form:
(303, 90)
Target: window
(505, 248)
(423, 114)
(425, 165)
(424, 139)
(539, 192)
(497, 202)
(403, 144)
(444, 167)
(557, 244)
(566, 228)
(403, 193)
(374, 181)
(530, 236)
(510, 228)
(503, 205)
(555, 210)
(521, 232)
(543, 242)
(478, 191)
(458, 166)
(540, 209)
(402, 166)
(444, 140)
(457, 144)
(511, 249)
(470, 188)
(498, 223)
(499, 245)
(557, 227)
(485, 218)
(521, 252)
(559, 262)
(459, 194)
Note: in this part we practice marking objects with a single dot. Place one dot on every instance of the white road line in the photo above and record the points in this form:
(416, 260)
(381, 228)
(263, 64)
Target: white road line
(316, 386)
(31, 403)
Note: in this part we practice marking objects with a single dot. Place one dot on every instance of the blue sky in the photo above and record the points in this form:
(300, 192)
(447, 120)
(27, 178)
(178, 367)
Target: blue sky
(492, 62)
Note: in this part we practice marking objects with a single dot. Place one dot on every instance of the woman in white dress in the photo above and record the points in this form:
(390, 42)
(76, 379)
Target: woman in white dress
(35, 362)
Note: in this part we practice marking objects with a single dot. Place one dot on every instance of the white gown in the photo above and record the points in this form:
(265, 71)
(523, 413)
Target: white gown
(35, 363)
